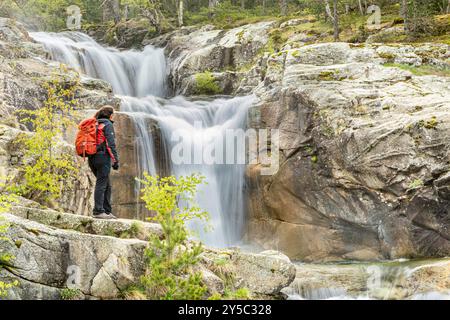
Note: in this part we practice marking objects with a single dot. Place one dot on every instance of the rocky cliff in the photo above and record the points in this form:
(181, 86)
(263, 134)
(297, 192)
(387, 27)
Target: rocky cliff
(364, 151)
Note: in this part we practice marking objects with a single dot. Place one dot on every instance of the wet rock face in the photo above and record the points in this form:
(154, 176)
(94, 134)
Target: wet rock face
(364, 158)
(125, 194)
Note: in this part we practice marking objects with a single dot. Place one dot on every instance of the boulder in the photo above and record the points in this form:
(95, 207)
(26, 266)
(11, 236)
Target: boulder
(100, 259)
(121, 228)
(50, 260)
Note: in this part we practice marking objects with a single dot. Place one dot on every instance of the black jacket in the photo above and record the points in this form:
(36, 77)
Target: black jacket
(108, 131)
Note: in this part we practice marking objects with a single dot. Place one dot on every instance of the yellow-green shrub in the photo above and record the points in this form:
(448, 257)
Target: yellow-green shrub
(48, 167)
(170, 260)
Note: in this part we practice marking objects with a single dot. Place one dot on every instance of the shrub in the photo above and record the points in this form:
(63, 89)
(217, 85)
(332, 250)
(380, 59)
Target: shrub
(70, 294)
(206, 83)
(170, 261)
(48, 166)
(6, 198)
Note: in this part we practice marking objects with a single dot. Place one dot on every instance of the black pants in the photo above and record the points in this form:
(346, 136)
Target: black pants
(100, 165)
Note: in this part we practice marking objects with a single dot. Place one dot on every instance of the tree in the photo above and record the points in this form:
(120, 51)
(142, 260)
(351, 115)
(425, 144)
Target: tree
(6, 199)
(361, 10)
(334, 17)
(336, 20)
(211, 5)
(170, 261)
(283, 7)
(111, 10)
(180, 12)
(48, 166)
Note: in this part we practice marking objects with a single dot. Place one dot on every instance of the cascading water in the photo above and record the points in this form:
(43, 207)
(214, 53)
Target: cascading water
(387, 280)
(139, 78)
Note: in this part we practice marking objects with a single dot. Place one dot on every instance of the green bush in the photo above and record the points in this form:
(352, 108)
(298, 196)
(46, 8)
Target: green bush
(171, 260)
(48, 166)
(206, 83)
(6, 199)
(70, 294)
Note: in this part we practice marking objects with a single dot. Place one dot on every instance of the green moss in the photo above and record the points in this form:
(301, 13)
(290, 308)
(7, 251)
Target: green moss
(240, 35)
(206, 83)
(70, 294)
(417, 183)
(422, 70)
(387, 55)
(432, 123)
(429, 124)
(18, 243)
(327, 76)
(134, 231)
(34, 231)
(295, 53)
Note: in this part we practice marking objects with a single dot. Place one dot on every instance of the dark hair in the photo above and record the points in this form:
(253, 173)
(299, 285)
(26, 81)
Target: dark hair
(105, 112)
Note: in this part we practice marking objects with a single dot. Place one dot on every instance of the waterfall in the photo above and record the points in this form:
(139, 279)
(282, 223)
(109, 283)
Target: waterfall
(139, 78)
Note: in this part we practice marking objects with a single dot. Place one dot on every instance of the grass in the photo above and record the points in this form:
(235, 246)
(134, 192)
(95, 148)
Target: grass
(206, 84)
(417, 183)
(70, 294)
(422, 70)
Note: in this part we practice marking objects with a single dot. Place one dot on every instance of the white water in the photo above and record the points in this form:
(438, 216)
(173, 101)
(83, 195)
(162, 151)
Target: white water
(363, 281)
(140, 80)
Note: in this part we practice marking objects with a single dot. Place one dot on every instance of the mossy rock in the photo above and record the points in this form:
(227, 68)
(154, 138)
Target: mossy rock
(206, 84)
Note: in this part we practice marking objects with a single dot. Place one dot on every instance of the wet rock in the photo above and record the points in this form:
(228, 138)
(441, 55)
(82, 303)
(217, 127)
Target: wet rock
(54, 251)
(120, 228)
(199, 50)
(363, 157)
(50, 260)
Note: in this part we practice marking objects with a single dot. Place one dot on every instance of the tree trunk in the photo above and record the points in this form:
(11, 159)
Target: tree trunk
(211, 4)
(404, 14)
(243, 4)
(328, 10)
(448, 7)
(111, 10)
(154, 15)
(283, 5)
(126, 12)
(336, 20)
(180, 12)
(361, 7)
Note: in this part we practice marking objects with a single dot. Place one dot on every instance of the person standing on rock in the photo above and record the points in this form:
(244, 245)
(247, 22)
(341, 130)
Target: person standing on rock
(102, 161)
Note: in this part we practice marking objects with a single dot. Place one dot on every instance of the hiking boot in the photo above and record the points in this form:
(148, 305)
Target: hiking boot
(103, 216)
(111, 215)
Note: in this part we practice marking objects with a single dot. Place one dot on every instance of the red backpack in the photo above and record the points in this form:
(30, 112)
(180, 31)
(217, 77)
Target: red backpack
(90, 135)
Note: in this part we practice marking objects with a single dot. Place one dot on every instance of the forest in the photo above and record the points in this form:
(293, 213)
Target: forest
(419, 16)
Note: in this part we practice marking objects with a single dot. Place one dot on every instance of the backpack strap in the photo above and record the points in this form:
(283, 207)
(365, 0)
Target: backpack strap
(101, 126)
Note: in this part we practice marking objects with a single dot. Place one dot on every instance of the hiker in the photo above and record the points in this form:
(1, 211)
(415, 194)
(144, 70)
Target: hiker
(97, 142)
